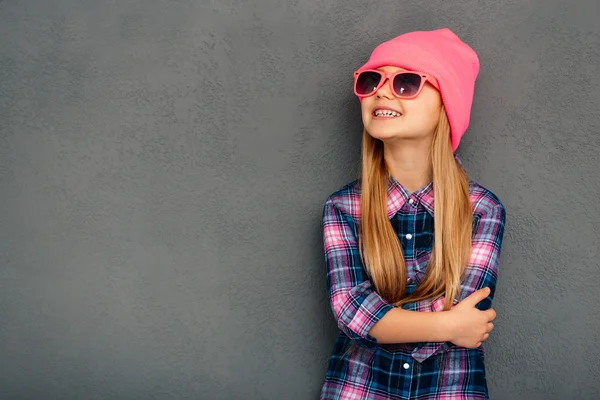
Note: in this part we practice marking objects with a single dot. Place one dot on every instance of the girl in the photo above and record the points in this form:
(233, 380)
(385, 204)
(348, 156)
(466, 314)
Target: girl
(412, 248)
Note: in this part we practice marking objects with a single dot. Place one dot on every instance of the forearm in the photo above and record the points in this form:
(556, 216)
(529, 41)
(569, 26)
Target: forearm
(403, 326)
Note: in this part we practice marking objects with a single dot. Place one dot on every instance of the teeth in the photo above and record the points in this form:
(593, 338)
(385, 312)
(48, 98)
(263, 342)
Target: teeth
(387, 113)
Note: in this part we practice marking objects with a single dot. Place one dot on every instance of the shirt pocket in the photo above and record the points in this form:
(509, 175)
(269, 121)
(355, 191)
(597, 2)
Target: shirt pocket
(424, 245)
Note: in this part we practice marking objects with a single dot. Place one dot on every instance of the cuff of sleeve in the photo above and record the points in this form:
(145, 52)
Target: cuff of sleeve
(370, 309)
(427, 349)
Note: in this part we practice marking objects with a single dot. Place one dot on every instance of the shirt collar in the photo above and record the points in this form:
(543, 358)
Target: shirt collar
(397, 195)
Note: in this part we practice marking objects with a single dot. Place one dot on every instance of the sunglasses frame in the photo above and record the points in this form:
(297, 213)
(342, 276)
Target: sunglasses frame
(390, 77)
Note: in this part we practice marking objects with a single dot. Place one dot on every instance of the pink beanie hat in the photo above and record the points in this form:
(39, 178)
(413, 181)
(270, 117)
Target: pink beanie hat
(441, 54)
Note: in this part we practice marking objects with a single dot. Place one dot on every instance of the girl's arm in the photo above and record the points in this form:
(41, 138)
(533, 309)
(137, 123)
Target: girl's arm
(465, 324)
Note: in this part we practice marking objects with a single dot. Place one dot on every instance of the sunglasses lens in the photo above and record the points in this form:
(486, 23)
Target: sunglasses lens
(407, 85)
(367, 82)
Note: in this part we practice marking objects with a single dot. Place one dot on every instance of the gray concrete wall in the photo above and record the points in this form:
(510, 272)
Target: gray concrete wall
(163, 166)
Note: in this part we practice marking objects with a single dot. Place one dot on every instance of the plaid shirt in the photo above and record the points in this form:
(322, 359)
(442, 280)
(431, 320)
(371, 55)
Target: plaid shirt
(440, 371)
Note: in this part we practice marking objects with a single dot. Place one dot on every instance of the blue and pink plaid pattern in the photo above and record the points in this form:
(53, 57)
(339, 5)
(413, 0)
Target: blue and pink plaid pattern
(441, 371)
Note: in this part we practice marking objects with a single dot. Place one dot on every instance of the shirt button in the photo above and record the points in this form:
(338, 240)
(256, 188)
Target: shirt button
(406, 366)
(409, 281)
(408, 236)
(411, 201)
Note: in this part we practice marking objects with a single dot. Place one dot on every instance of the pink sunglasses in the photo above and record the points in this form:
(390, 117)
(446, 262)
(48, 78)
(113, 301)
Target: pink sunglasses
(405, 85)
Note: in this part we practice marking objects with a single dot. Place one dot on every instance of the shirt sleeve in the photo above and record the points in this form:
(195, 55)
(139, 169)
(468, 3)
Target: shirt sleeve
(356, 306)
(481, 271)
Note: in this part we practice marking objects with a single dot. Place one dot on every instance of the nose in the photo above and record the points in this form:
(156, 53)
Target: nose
(385, 90)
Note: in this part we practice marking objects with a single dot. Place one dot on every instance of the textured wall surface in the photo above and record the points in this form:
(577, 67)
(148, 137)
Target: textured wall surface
(163, 166)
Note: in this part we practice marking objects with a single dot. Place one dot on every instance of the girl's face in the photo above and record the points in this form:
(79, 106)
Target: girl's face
(414, 119)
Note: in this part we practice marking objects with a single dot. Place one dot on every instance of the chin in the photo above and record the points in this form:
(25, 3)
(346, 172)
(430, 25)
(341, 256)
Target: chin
(387, 133)
(383, 136)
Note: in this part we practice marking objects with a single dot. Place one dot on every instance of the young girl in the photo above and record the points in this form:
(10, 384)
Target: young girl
(412, 248)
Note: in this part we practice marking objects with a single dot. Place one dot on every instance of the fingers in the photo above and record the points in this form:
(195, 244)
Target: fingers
(477, 296)
(486, 335)
(490, 314)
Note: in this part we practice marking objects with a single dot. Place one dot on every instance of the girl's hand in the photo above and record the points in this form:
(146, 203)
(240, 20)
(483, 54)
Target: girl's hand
(470, 326)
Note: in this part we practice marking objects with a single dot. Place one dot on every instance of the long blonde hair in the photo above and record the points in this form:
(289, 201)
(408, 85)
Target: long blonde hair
(380, 248)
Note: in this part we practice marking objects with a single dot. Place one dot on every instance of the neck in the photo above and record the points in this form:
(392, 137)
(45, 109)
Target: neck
(409, 164)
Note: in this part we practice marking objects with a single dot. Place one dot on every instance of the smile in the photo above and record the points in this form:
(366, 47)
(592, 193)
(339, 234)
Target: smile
(386, 113)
